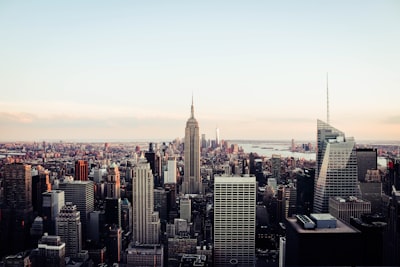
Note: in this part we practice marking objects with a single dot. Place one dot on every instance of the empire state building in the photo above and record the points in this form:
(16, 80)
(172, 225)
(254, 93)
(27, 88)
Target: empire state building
(192, 179)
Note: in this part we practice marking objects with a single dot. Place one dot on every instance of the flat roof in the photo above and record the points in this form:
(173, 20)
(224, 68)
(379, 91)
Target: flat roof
(235, 179)
(341, 227)
(322, 216)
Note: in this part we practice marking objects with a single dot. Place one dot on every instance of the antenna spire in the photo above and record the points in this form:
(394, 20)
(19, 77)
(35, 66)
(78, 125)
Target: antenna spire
(192, 108)
(327, 100)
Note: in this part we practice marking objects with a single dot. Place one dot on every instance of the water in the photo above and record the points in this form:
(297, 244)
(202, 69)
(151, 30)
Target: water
(267, 149)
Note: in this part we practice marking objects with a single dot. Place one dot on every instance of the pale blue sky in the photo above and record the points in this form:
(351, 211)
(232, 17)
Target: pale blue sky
(257, 69)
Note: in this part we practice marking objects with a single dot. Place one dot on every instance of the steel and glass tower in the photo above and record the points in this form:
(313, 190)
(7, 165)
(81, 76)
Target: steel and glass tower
(192, 179)
(336, 172)
(234, 221)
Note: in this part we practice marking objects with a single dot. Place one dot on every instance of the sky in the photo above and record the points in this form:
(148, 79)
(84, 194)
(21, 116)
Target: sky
(128, 70)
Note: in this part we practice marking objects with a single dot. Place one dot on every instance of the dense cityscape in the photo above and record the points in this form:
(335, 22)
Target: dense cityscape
(200, 202)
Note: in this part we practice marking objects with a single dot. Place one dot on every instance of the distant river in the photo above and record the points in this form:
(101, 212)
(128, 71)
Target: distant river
(267, 149)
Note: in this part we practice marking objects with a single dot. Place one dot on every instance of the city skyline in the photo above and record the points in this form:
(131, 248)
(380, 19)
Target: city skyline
(256, 70)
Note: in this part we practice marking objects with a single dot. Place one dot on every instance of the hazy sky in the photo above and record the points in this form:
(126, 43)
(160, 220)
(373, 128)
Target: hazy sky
(257, 69)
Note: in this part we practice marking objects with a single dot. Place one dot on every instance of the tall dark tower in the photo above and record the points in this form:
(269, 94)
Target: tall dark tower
(16, 213)
(192, 179)
(81, 170)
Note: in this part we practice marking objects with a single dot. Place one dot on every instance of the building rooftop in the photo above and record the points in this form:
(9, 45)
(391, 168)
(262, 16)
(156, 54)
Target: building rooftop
(341, 227)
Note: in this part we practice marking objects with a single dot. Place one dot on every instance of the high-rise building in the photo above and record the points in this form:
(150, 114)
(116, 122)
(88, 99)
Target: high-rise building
(50, 252)
(68, 227)
(234, 221)
(185, 209)
(81, 194)
(305, 191)
(366, 160)
(321, 240)
(81, 170)
(345, 208)
(170, 173)
(192, 178)
(276, 166)
(113, 185)
(16, 212)
(146, 222)
(53, 201)
(40, 184)
(336, 173)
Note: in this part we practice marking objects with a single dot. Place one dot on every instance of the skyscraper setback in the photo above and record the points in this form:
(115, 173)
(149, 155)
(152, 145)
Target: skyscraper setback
(336, 168)
(146, 222)
(192, 179)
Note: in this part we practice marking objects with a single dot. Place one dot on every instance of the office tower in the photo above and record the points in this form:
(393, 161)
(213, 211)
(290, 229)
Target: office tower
(126, 215)
(305, 191)
(53, 201)
(366, 160)
(114, 244)
(372, 192)
(154, 160)
(281, 203)
(50, 252)
(81, 194)
(392, 177)
(276, 166)
(185, 209)
(68, 227)
(234, 221)
(81, 170)
(259, 172)
(203, 141)
(145, 255)
(171, 201)
(192, 178)
(40, 184)
(372, 227)
(113, 184)
(170, 173)
(345, 208)
(95, 226)
(113, 211)
(336, 173)
(161, 203)
(16, 212)
(146, 222)
(392, 233)
(321, 240)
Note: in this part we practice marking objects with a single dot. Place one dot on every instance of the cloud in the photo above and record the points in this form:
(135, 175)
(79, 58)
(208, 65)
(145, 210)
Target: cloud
(17, 117)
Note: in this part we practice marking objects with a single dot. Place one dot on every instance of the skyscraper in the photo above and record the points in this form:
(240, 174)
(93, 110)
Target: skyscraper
(50, 251)
(234, 221)
(81, 170)
(68, 227)
(113, 185)
(53, 201)
(170, 173)
(146, 222)
(336, 173)
(192, 179)
(16, 212)
(81, 194)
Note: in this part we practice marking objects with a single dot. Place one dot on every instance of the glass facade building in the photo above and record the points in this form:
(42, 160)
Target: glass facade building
(336, 173)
